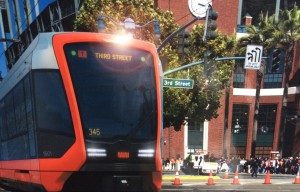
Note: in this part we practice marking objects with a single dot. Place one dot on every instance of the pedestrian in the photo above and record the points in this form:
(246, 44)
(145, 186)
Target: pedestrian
(254, 166)
(177, 166)
(242, 165)
(168, 166)
(199, 165)
(172, 161)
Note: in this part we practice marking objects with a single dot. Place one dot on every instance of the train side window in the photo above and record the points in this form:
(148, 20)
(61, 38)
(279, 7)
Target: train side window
(29, 117)
(16, 142)
(55, 133)
(52, 109)
(10, 115)
(3, 126)
(20, 112)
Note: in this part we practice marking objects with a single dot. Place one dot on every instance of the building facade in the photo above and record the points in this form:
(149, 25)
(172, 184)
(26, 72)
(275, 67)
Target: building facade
(233, 132)
(24, 19)
(15, 17)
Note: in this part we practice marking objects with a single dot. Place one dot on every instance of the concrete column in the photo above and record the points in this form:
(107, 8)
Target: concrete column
(185, 140)
(239, 18)
(205, 136)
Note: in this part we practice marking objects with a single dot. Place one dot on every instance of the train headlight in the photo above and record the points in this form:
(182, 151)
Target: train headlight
(94, 152)
(146, 152)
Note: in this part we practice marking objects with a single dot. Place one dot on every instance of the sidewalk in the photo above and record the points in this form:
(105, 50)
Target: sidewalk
(170, 175)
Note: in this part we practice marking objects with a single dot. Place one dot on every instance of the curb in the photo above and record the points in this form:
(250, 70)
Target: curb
(188, 177)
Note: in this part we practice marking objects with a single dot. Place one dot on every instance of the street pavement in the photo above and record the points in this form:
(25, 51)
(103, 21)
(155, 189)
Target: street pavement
(241, 182)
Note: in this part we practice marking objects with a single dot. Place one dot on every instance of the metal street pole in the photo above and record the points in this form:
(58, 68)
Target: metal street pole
(287, 71)
(226, 112)
(201, 62)
(259, 76)
(277, 10)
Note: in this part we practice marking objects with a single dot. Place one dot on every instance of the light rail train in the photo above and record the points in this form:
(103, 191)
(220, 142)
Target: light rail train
(82, 112)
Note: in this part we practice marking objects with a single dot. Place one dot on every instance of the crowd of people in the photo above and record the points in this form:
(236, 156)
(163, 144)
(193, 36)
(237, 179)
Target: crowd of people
(172, 163)
(253, 166)
(259, 165)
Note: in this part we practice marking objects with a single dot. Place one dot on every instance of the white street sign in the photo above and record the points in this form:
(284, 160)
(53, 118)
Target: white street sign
(253, 57)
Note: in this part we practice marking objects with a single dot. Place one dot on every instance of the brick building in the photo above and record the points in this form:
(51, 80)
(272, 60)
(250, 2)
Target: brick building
(231, 133)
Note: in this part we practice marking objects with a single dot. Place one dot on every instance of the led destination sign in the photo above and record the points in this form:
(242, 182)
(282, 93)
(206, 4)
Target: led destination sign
(110, 56)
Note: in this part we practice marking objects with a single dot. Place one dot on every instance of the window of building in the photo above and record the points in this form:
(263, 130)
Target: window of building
(238, 80)
(272, 80)
(239, 75)
(267, 118)
(266, 125)
(240, 118)
(263, 152)
(238, 151)
(195, 136)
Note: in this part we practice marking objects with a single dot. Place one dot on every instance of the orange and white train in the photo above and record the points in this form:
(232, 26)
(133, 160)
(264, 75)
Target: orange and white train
(82, 112)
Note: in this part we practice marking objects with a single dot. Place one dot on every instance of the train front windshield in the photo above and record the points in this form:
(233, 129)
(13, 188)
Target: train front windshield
(115, 91)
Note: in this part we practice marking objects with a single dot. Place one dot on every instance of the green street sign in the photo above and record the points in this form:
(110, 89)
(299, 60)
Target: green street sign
(178, 83)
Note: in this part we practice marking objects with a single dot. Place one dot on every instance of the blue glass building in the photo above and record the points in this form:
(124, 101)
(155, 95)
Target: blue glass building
(24, 19)
(15, 17)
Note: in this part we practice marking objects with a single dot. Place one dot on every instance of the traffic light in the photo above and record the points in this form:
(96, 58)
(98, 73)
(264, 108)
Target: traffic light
(183, 42)
(209, 63)
(276, 60)
(210, 25)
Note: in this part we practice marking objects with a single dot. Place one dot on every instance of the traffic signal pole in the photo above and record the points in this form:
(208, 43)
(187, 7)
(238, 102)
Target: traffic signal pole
(212, 16)
(163, 44)
(201, 62)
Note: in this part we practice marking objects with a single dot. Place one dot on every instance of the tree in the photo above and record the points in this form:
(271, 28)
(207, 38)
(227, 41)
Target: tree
(118, 10)
(198, 103)
(260, 34)
(202, 102)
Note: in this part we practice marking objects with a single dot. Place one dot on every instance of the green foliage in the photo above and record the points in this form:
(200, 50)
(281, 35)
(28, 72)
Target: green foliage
(261, 34)
(118, 10)
(287, 30)
(200, 103)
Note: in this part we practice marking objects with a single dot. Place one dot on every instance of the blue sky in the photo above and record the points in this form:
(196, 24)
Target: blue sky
(42, 5)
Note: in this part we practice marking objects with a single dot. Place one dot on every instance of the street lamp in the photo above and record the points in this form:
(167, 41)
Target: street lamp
(128, 24)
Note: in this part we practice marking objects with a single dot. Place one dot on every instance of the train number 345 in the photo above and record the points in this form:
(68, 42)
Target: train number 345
(94, 132)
